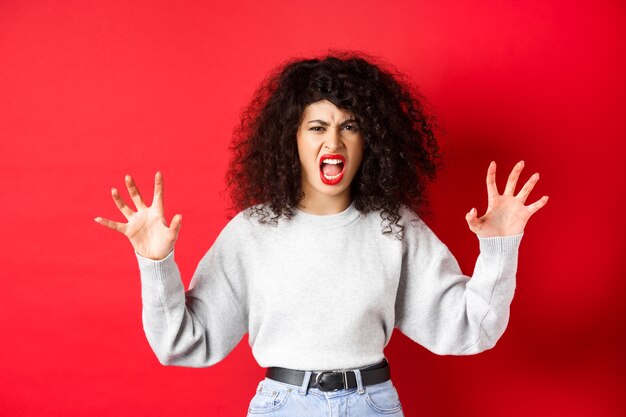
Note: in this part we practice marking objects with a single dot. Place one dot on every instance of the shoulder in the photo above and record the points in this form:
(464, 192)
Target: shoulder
(417, 233)
(245, 223)
(407, 213)
(410, 219)
(240, 223)
(231, 240)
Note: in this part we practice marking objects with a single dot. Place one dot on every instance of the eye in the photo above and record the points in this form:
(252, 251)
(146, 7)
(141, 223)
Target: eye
(316, 127)
(352, 127)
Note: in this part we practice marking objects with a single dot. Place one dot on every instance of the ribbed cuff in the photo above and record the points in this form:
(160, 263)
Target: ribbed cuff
(157, 270)
(141, 258)
(505, 245)
(160, 281)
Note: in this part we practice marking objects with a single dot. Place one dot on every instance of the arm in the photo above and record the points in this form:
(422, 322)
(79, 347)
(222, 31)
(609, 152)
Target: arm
(194, 328)
(445, 311)
(197, 328)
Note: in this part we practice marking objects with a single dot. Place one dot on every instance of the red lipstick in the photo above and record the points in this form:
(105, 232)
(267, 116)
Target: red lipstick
(339, 176)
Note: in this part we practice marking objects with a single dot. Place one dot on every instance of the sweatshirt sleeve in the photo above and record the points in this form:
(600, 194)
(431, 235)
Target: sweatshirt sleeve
(445, 311)
(201, 326)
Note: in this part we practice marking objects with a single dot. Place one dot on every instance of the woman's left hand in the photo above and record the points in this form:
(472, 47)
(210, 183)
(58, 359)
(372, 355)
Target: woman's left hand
(506, 214)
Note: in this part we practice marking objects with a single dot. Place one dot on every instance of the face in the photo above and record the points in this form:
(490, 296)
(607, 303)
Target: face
(329, 134)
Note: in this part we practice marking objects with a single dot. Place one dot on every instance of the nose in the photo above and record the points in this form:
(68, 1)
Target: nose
(333, 140)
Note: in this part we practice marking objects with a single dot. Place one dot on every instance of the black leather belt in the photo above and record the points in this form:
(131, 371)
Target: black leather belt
(332, 380)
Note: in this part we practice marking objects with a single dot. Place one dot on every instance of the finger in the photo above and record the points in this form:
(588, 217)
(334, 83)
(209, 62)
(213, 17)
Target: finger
(157, 200)
(134, 192)
(513, 177)
(121, 204)
(472, 220)
(528, 187)
(176, 223)
(537, 205)
(492, 188)
(120, 227)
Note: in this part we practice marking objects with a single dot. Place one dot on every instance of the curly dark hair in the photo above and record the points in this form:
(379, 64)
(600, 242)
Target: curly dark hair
(400, 153)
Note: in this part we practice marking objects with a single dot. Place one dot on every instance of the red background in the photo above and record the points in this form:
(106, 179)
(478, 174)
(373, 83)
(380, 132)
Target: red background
(93, 90)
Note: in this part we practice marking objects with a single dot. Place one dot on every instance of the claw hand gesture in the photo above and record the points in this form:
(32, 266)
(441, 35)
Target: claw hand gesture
(506, 214)
(146, 228)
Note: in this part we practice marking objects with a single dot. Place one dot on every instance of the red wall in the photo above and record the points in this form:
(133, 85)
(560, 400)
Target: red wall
(90, 91)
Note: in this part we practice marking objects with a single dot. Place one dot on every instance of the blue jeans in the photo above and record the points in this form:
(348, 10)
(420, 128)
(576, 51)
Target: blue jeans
(278, 399)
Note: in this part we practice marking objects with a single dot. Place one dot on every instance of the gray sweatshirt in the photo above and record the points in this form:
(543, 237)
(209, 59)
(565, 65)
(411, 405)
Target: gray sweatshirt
(324, 292)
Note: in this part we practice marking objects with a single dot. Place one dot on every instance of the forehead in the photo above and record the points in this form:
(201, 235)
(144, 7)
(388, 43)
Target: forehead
(326, 110)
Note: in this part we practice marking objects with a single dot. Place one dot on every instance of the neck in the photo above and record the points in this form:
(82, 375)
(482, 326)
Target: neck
(322, 204)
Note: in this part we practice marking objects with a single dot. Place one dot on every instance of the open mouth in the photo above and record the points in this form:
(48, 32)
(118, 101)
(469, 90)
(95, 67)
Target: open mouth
(332, 168)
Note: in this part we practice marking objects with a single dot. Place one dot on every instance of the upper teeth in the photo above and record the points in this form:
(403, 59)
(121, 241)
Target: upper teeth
(332, 161)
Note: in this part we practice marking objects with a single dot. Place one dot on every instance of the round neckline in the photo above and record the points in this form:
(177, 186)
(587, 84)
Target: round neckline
(342, 218)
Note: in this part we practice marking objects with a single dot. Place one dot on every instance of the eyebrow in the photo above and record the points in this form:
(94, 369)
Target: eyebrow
(323, 123)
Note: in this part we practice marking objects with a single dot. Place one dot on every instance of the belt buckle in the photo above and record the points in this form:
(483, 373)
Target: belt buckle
(321, 386)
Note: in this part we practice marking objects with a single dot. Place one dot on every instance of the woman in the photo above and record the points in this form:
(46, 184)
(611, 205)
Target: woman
(327, 149)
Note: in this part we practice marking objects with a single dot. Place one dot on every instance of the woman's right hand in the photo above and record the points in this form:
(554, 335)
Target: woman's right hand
(146, 229)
